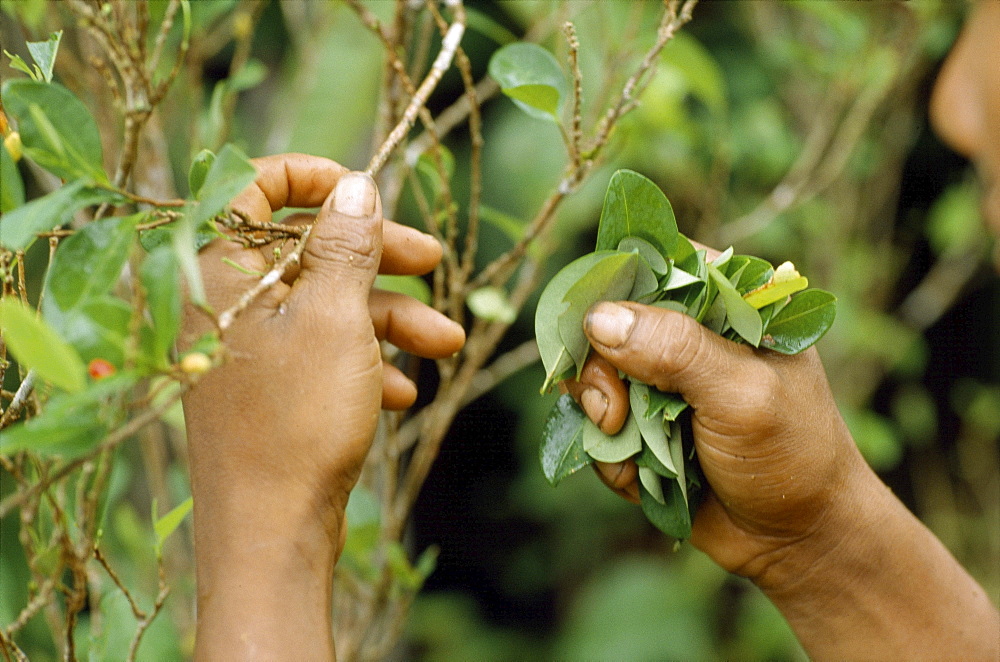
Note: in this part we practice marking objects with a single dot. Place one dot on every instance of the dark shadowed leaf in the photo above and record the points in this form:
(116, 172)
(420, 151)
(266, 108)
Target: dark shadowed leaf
(672, 516)
(161, 278)
(561, 452)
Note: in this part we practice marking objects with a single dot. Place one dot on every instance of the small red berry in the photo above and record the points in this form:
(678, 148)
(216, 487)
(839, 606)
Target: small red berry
(100, 368)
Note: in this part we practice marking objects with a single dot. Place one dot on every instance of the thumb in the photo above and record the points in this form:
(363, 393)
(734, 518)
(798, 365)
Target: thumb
(671, 351)
(344, 247)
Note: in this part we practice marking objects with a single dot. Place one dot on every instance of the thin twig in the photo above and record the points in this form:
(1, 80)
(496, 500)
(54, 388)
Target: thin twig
(441, 64)
(229, 315)
(20, 397)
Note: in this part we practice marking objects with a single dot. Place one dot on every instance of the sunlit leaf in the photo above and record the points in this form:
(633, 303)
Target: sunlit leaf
(561, 452)
(37, 346)
(772, 292)
(164, 526)
(532, 78)
(412, 286)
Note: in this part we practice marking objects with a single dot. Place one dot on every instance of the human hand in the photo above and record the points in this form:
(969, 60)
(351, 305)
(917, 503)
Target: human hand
(771, 443)
(278, 433)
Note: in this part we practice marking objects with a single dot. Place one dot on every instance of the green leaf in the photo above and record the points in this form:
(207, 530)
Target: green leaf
(429, 175)
(164, 526)
(251, 75)
(679, 278)
(491, 303)
(59, 429)
(648, 459)
(17, 62)
(200, 165)
(651, 427)
(755, 272)
(97, 328)
(227, 176)
(37, 346)
(412, 286)
(743, 317)
(668, 405)
(532, 78)
(647, 251)
(11, 185)
(19, 226)
(635, 207)
(161, 278)
(672, 516)
(802, 322)
(645, 286)
(555, 358)
(651, 481)
(185, 247)
(561, 452)
(610, 279)
(57, 130)
(44, 54)
(88, 263)
(676, 442)
(612, 448)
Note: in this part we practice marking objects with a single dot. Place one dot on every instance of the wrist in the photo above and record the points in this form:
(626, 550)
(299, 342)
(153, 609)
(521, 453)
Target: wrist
(264, 580)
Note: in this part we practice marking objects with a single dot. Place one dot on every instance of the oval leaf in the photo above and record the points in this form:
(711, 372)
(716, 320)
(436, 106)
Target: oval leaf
(802, 322)
(635, 207)
(532, 78)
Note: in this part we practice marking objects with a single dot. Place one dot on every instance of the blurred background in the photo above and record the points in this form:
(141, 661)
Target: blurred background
(793, 131)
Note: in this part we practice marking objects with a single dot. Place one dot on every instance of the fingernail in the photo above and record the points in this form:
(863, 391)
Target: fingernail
(609, 324)
(355, 195)
(595, 404)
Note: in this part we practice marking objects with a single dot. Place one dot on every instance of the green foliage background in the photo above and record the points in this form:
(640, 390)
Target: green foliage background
(574, 573)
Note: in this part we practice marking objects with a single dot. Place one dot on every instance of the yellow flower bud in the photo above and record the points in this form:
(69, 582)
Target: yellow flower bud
(196, 363)
(13, 144)
(785, 272)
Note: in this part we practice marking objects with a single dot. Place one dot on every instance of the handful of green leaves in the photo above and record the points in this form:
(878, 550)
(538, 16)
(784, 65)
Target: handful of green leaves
(640, 256)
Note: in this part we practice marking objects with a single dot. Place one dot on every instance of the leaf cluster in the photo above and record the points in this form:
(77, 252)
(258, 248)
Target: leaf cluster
(640, 256)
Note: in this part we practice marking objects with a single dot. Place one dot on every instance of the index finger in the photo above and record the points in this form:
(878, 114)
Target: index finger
(288, 180)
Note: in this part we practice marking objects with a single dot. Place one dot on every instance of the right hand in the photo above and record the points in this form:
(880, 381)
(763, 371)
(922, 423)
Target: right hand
(777, 455)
